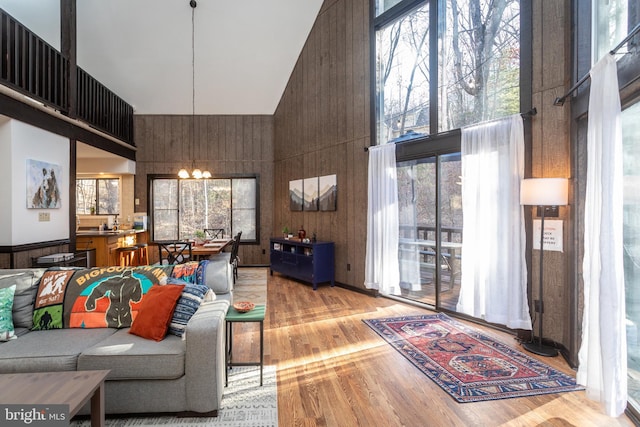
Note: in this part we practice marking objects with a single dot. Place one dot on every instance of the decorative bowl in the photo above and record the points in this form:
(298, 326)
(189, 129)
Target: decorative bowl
(244, 306)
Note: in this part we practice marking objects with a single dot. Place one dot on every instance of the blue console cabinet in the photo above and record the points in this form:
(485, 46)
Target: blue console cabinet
(309, 262)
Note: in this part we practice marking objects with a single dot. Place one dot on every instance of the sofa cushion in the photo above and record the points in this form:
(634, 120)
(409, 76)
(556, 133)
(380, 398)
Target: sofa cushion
(186, 272)
(6, 316)
(55, 350)
(216, 273)
(47, 312)
(189, 302)
(155, 312)
(21, 331)
(131, 357)
(93, 298)
(26, 286)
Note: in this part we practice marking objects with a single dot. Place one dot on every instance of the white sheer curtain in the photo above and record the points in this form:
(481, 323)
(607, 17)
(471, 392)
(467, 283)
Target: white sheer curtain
(603, 353)
(494, 271)
(381, 262)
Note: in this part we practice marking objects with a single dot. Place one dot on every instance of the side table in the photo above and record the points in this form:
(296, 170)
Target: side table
(233, 316)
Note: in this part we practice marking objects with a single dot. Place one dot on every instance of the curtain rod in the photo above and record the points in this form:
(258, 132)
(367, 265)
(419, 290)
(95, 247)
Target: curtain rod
(559, 102)
(532, 112)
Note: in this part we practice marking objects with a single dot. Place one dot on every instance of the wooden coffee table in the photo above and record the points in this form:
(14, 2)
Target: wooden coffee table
(73, 388)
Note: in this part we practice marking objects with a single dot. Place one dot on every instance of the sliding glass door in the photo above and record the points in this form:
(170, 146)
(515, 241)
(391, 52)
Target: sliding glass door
(430, 213)
(631, 239)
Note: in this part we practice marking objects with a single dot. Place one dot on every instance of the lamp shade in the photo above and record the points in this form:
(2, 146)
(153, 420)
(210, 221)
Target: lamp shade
(544, 191)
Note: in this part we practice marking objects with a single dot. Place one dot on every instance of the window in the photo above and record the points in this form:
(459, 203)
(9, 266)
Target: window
(98, 195)
(430, 229)
(403, 75)
(631, 242)
(609, 26)
(603, 26)
(464, 71)
(440, 66)
(384, 5)
(479, 71)
(180, 207)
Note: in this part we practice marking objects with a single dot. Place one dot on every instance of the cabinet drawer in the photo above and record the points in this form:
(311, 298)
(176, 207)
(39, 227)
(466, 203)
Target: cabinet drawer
(288, 258)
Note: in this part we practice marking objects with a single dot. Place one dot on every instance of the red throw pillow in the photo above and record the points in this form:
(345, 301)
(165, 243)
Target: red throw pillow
(155, 312)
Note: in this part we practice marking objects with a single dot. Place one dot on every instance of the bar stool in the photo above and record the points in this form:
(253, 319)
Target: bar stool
(126, 255)
(143, 254)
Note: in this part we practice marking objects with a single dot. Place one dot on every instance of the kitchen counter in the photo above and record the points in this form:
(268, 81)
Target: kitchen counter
(106, 243)
(98, 233)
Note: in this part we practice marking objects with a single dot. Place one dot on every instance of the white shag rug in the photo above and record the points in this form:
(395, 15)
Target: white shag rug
(244, 404)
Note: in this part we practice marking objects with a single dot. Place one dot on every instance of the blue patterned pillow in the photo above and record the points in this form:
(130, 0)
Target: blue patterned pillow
(189, 302)
(6, 316)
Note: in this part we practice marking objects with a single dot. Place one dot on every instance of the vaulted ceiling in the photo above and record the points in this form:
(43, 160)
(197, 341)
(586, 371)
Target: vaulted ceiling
(245, 50)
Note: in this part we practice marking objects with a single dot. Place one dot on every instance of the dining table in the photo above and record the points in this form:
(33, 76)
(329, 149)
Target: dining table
(209, 247)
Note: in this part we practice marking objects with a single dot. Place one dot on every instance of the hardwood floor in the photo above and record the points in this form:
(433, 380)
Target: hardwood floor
(333, 370)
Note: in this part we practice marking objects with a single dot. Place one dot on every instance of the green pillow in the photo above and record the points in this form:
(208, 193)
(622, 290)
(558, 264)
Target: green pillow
(6, 317)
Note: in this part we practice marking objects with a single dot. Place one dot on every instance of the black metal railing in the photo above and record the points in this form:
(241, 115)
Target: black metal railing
(34, 68)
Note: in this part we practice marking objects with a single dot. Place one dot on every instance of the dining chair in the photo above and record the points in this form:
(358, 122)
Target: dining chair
(214, 233)
(174, 252)
(234, 259)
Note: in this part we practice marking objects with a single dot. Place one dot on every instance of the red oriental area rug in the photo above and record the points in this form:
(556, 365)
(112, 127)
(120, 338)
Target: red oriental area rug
(468, 365)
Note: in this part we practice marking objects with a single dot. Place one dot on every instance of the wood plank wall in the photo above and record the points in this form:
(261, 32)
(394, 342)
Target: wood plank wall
(322, 125)
(551, 156)
(23, 258)
(223, 145)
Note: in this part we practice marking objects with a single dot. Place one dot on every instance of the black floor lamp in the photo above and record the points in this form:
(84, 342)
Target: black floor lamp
(547, 194)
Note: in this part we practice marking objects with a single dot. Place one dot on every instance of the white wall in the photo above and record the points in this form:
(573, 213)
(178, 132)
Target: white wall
(40, 16)
(92, 166)
(5, 179)
(19, 225)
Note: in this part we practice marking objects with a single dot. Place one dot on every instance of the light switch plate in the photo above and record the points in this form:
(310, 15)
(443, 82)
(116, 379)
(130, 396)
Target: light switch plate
(44, 216)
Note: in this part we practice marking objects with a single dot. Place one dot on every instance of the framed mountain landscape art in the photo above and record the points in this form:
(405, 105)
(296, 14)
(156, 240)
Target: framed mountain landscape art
(296, 195)
(328, 193)
(311, 194)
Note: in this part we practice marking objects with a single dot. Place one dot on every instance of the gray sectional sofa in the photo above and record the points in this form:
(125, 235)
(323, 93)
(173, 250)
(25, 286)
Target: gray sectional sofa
(173, 375)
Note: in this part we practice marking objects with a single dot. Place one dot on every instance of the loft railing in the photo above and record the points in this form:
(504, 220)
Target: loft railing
(31, 66)
(34, 68)
(102, 108)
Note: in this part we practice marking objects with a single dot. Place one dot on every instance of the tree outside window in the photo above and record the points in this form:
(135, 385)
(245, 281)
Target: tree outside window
(98, 196)
(182, 207)
(478, 66)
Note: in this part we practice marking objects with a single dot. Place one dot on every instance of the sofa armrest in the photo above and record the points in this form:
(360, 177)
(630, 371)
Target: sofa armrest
(205, 356)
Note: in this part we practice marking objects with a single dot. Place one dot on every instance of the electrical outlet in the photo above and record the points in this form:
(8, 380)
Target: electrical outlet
(549, 211)
(137, 201)
(44, 216)
(348, 267)
(264, 252)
